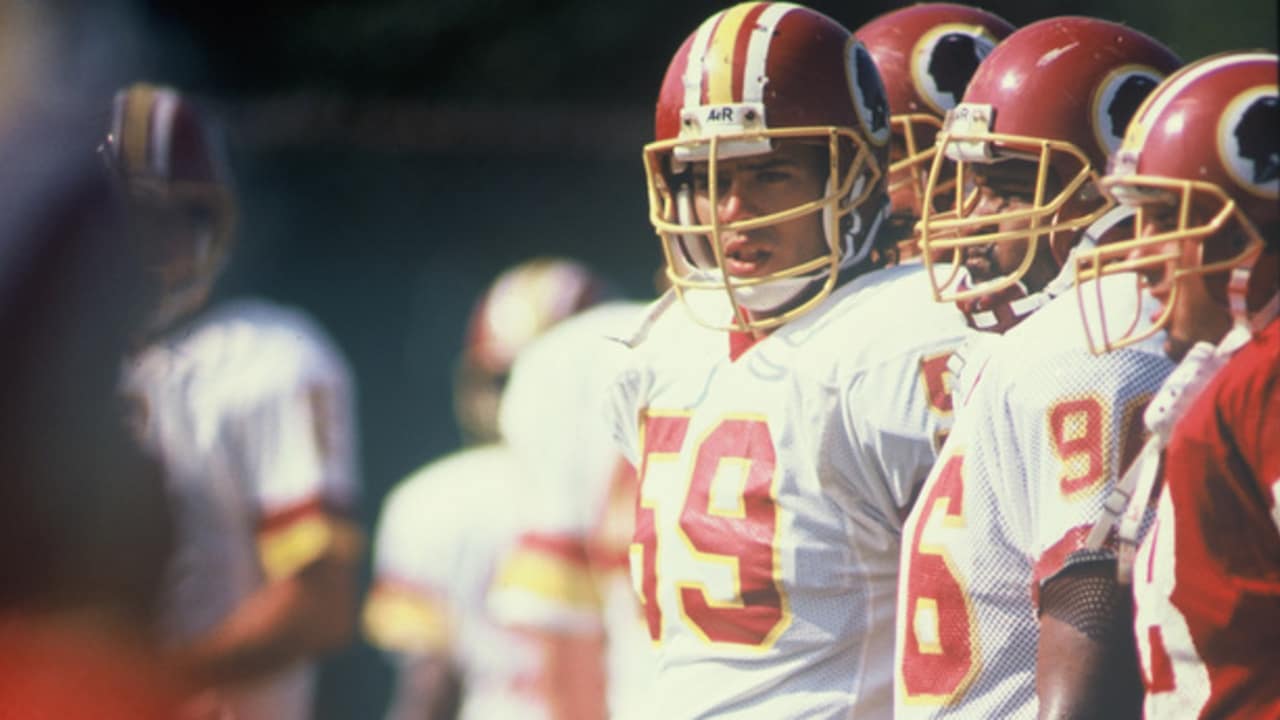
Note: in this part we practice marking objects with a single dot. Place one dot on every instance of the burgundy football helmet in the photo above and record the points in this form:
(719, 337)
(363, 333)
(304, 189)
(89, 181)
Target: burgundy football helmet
(174, 176)
(926, 54)
(1203, 150)
(750, 76)
(521, 303)
(1058, 95)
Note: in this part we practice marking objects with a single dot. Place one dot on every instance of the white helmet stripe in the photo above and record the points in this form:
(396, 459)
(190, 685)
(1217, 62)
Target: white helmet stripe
(754, 79)
(695, 69)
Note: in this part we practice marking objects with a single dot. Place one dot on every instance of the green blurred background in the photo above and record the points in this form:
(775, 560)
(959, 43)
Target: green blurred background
(394, 155)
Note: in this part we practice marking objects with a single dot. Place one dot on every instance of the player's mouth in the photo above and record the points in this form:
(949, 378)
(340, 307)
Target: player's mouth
(746, 258)
(980, 261)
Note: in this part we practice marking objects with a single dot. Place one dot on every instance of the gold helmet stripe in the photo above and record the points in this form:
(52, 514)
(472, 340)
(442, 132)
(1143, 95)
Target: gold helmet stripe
(137, 125)
(718, 62)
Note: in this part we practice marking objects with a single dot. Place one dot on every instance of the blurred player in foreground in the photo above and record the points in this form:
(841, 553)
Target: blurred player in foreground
(443, 529)
(248, 408)
(1201, 164)
(1002, 611)
(84, 526)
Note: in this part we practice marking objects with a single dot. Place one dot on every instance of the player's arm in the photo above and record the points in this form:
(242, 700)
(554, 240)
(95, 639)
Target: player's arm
(544, 589)
(302, 611)
(574, 674)
(427, 687)
(295, 452)
(1086, 663)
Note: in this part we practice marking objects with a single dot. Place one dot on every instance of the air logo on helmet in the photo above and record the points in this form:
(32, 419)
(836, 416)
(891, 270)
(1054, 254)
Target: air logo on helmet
(1247, 140)
(1116, 101)
(720, 114)
(945, 58)
(870, 101)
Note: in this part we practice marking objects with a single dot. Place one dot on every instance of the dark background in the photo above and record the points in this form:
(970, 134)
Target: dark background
(394, 155)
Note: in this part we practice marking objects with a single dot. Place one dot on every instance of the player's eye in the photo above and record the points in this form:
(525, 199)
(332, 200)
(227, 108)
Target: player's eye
(701, 183)
(773, 176)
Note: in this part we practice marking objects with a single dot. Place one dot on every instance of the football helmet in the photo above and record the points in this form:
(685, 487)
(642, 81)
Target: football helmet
(926, 55)
(1058, 95)
(176, 184)
(1203, 152)
(750, 76)
(522, 302)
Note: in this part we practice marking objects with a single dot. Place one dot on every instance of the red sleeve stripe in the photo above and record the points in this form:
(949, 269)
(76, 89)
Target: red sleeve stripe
(568, 548)
(290, 514)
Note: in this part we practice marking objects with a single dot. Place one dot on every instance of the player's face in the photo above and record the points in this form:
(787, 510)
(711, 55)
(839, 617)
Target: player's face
(168, 238)
(757, 186)
(1195, 315)
(1004, 187)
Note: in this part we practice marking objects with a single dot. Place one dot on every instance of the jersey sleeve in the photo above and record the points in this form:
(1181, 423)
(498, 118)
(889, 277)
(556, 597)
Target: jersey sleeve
(896, 420)
(622, 413)
(1071, 424)
(407, 610)
(296, 443)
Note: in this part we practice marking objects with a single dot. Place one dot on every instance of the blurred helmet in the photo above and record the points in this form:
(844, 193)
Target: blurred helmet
(176, 184)
(1058, 95)
(748, 77)
(926, 55)
(522, 303)
(1203, 150)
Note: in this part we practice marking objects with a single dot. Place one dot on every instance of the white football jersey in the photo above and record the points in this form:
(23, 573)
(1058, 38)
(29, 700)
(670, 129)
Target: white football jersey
(1047, 430)
(774, 481)
(249, 409)
(568, 572)
(441, 532)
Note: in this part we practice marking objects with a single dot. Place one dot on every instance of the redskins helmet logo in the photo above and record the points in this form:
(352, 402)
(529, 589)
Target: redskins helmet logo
(945, 58)
(1247, 141)
(1117, 100)
(870, 101)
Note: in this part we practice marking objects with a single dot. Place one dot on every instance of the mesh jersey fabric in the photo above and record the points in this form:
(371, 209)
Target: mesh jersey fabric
(1047, 430)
